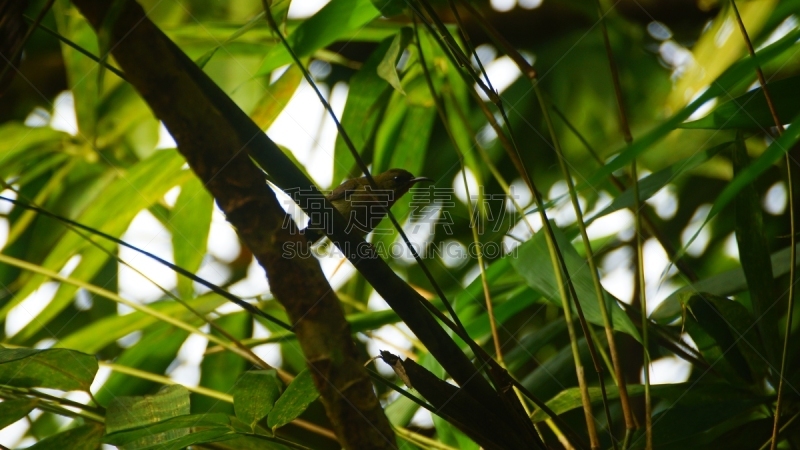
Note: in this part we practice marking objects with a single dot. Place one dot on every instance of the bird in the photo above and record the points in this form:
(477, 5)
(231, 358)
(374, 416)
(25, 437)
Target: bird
(361, 205)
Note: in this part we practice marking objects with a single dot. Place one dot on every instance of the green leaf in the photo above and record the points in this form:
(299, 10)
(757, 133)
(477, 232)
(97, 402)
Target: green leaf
(255, 20)
(726, 283)
(80, 69)
(11, 410)
(389, 8)
(276, 97)
(86, 437)
(126, 413)
(365, 103)
(699, 394)
(61, 369)
(154, 352)
(121, 112)
(517, 301)
(190, 222)
(738, 75)
(751, 237)
(95, 336)
(389, 131)
(298, 395)
(681, 426)
(724, 333)
(174, 432)
(570, 399)
(322, 29)
(532, 343)
(220, 370)
(533, 263)
(111, 212)
(22, 140)
(558, 371)
(255, 394)
(409, 150)
(750, 111)
(649, 185)
(387, 69)
(747, 176)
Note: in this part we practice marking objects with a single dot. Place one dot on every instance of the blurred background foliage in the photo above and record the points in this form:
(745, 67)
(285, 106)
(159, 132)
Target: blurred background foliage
(79, 142)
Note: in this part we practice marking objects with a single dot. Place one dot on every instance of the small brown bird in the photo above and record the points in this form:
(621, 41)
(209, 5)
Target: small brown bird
(362, 205)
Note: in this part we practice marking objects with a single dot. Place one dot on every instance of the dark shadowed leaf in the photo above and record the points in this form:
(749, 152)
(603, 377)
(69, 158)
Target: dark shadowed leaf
(750, 110)
(534, 264)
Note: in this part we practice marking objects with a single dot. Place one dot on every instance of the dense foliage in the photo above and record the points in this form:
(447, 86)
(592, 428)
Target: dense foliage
(93, 353)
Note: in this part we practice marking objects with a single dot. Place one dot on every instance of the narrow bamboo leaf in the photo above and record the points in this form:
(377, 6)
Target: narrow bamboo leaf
(81, 70)
(256, 20)
(530, 344)
(449, 435)
(195, 437)
(389, 131)
(389, 8)
(534, 265)
(190, 221)
(409, 151)
(700, 393)
(85, 437)
(255, 394)
(185, 430)
(387, 69)
(111, 212)
(154, 352)
(298, 395)
(126, 413)
(362, 111)
(19, 139)
(104, 40)
(94, 337)
(684, 426)
(747, 176)
(715, 339)
(208, 34)
(500, 276)
(726, 283)
(11, 410)
(550, 377)
(400, 411)
(723, 329)
(120, 112)
(219, 371)
(738, 75)
(750, 111)
(61, 369)
(322, 29)
(649, 185)
(457, 106)
(516, 301)
(570, 399)
(276, 97)
(751, 237)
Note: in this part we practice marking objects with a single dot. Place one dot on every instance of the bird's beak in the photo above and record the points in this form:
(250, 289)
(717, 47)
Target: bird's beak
(418, 179)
